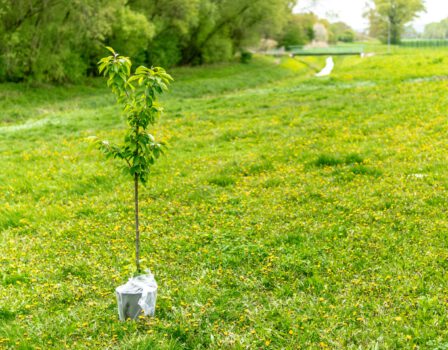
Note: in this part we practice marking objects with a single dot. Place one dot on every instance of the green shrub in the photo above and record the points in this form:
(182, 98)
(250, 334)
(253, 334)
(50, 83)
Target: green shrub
(165, 50)
(218, 49)
(131, 34)
(246, 57)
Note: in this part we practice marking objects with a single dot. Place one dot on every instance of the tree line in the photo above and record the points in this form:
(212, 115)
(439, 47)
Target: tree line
(436, 30)
(59, 40)
(62, 40)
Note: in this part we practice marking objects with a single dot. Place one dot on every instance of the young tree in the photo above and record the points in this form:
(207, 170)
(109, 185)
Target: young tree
(388, 18)
(137, 93)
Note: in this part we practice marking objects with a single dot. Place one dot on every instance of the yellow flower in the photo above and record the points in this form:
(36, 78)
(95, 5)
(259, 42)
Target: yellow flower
(267, 342)
(291, 332)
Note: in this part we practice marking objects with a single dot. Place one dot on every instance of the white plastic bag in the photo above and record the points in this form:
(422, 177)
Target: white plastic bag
(138, 294)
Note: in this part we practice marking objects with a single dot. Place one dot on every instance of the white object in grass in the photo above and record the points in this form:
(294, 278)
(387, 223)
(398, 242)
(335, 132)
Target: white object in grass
(328, 68)
(137, 295)
(419, 176)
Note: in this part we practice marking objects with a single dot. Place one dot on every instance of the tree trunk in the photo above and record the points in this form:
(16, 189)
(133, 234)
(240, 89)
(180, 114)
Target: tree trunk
(137, 231)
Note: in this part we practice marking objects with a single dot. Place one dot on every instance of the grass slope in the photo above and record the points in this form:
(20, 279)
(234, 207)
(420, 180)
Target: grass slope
(291, 212)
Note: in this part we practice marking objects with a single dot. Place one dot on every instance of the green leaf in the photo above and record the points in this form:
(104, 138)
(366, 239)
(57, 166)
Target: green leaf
(139, 150)
(111, 50)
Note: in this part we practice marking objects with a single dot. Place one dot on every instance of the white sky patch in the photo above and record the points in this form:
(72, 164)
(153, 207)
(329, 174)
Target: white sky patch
(351, 11)
(436, 10)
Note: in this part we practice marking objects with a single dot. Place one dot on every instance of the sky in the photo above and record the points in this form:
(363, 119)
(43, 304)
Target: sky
(351, 11)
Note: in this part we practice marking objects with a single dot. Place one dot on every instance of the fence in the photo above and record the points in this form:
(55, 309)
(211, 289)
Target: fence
(335, 50)
(422, 43)
(327, 51)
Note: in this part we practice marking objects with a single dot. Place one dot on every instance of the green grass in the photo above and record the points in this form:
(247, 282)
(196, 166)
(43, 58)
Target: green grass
(290, 212)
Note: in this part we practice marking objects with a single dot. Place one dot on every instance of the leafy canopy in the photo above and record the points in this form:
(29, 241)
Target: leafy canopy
(437, 30)
(388, 17)
(137, 93)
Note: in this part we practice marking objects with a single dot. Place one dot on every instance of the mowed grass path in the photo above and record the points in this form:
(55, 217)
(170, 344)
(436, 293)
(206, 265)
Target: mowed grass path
(290, 213)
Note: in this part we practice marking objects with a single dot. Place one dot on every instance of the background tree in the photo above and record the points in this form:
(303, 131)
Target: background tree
(409, 32)
(341, 31)
(61, 40)
(321, 33)
(389, 17)
(53, 40)
(225, 26)
(173, 21)
(298, 30)
(131, 32)
(437, 30)
(206, 31)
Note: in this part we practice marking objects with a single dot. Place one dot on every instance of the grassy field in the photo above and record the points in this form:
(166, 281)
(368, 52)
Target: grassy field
(291, 212)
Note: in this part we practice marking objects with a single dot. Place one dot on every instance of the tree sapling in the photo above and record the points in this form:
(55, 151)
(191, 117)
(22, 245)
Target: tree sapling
(137, 93)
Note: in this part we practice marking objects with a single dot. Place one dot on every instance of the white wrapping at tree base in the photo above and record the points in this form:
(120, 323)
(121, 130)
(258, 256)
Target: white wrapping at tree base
(137, 295)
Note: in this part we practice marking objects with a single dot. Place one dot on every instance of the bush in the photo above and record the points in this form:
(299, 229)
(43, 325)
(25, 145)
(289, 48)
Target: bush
(165, 51)
(218, 49)
(132, 33)
(246, 57)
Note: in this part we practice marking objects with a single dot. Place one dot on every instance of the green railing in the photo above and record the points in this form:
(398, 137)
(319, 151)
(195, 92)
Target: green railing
(330, 50)
(422, 43)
